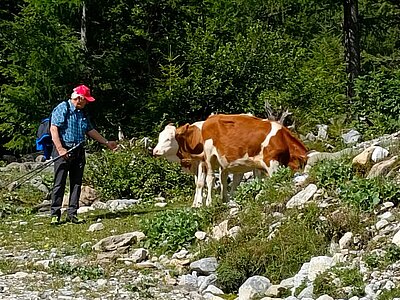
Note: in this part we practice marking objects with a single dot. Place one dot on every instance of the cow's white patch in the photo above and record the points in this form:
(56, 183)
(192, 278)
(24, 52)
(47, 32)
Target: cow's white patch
(209, 151)
(167, 145)
(198, 124)
(199, 181)
(275, 127)
(273, 166)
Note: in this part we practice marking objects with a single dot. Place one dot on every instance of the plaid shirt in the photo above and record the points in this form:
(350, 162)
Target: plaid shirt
(72, 129)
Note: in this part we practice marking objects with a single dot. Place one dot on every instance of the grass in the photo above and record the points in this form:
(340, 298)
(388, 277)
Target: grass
(389, 294)
(298, 236)
(348, 277)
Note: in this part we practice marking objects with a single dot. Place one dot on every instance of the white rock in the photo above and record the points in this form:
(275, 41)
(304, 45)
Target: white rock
(379, 153)
(213, 290)
(85, 209)
(346, 239)
(325, 297)
(302, 197)
(44, 263)
(253, 287)
(101, 282)
(181, 254)
(351, 137)
(388, 216)
(200, 235)
(139, 255)
(234, 231)
(381, 223)
(318, 265)
(302, 275)
(96, 227)
(220, 230)
(386, 205)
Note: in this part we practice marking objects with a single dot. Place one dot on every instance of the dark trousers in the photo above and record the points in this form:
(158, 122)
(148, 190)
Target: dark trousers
(73, 166)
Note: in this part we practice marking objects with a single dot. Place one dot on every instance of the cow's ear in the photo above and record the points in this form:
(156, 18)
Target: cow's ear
(182, 129)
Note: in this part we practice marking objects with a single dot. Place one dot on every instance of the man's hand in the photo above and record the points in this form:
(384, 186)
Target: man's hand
(112, 145)
(63, 152)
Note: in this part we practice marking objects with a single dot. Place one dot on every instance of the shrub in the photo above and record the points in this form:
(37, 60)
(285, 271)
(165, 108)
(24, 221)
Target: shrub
(348, 277)
(132, 173)
(390, 255)
(389, 294)
(171, 230)
(365, 194)
(276, 188)
(377, 99)
(252, 253)
(331, 173)
(84, 272)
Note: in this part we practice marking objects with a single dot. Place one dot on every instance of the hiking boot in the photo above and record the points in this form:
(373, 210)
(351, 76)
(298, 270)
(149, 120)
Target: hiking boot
(75, 220)
(55, 220)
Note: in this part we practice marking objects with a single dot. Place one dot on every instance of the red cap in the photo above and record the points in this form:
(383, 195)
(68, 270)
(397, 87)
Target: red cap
(84, 91)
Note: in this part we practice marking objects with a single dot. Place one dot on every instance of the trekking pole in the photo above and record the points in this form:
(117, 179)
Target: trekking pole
(35, 171)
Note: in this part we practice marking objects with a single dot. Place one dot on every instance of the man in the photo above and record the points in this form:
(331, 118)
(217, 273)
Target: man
(69, 124)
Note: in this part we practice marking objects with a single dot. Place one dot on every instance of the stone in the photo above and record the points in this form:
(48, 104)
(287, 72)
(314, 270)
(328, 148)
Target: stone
(113, 243)
(200, 235)
(254, 287)
(379, 153)
(364, 157)
(346, 240)
(220, 230)
(302, 197)
(96, 227)
(396, 239)
(318, 265)
(351, 137)
(204, 266)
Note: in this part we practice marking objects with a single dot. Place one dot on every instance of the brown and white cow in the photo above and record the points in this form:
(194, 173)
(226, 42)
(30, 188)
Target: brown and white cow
(240, 143)
(185, 146)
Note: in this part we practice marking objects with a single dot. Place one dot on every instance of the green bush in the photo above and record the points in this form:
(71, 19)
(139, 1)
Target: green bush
(133, 173)
(390, 256)
(276, 188)
(377, 98)
(251, 253)
(171, 230)
(330, 174)
(84, 272)
(365, 194)
(349, 277)
(389, 294)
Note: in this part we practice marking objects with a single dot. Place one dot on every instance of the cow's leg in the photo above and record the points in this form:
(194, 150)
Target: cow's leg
(273, 158)
(200, 177)
(273, 167)
(210, 184)
(237, 178)
(211, 163)
(224, 185)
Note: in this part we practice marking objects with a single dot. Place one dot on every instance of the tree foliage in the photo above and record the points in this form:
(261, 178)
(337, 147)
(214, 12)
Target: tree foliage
(151, 62)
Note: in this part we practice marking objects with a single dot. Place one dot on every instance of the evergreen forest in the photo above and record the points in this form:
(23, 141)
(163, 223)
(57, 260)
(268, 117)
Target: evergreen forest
(150, 62)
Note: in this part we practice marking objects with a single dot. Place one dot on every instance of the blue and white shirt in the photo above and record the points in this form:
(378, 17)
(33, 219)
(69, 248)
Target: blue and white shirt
(72, 126)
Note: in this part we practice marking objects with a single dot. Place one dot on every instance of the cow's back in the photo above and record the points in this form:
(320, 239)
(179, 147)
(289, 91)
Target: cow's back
(239, 136)
(236, 136)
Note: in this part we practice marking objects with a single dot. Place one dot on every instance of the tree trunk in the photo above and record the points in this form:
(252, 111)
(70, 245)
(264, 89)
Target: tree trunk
(352, 44)
(83, 27)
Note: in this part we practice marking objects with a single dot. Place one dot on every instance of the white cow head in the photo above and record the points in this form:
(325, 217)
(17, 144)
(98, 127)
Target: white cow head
(167, 145)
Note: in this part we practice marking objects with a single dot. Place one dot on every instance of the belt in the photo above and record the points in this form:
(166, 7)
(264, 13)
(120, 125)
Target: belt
(71, 145)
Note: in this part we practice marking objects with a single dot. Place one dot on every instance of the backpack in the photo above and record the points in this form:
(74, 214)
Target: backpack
(43, 137)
